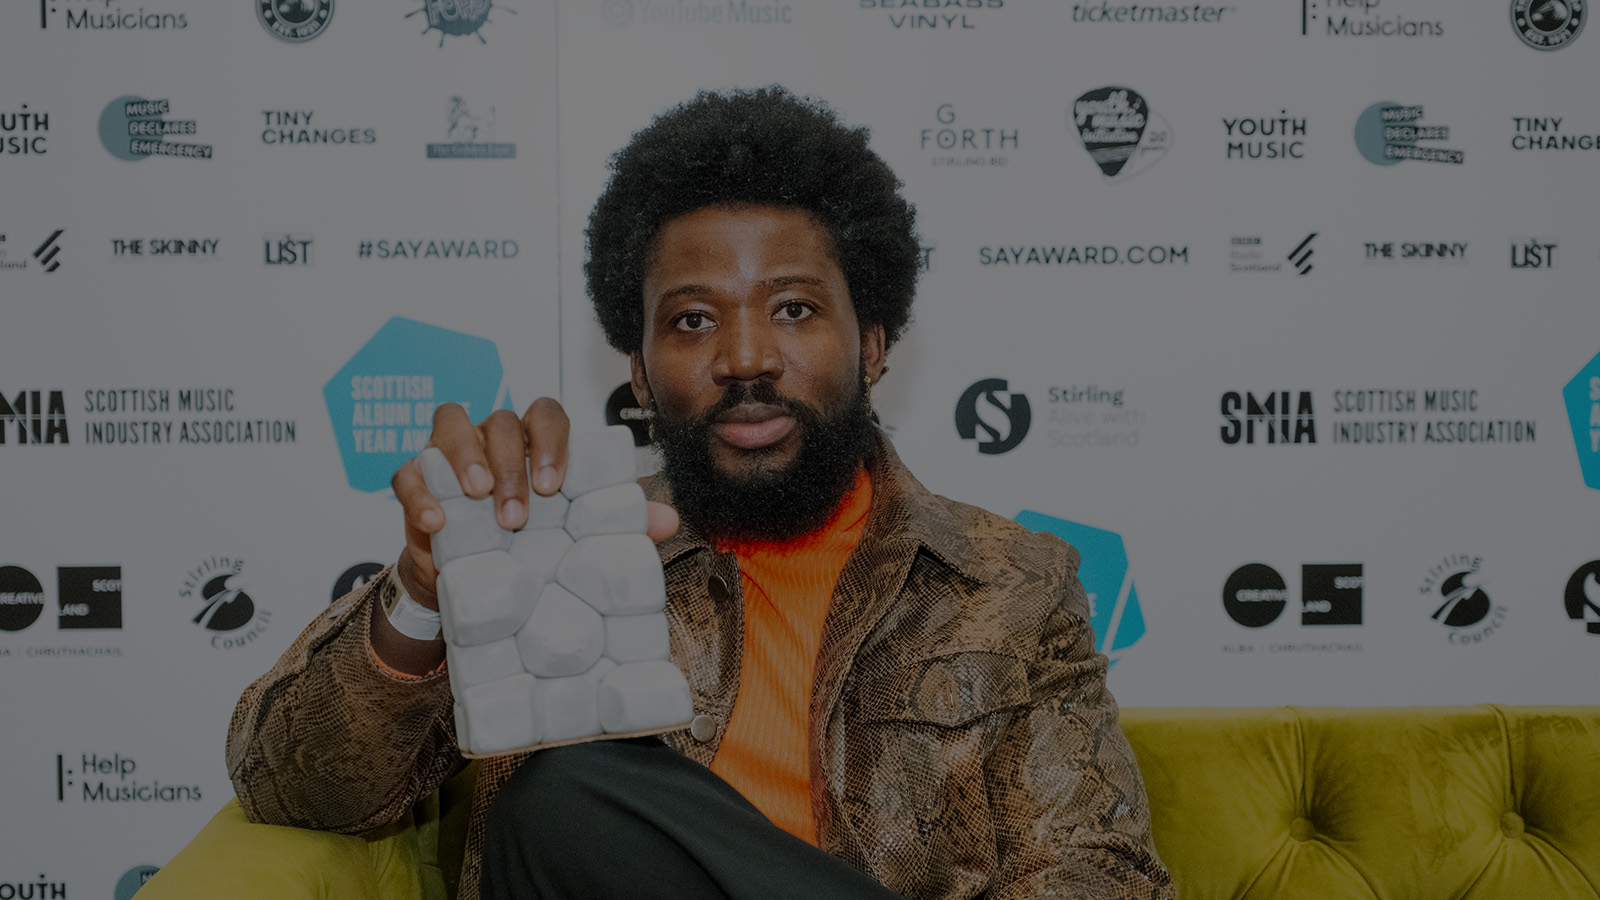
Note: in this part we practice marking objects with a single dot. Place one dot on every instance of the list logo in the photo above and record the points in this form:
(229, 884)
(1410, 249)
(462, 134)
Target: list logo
(1582, 596)
(938, 15)
(40, 417)
(24, 133)
(1548, 24)
(287, 250)
(89, 596)
(1388, 133)
(164, 248)
(102, 15)
(1272, 418)
(1415, 251)
(1363, 18)
(355, 578)
(382, 401)
(227, 610)
(133, 128)
(294, 127)
(439, 248)
(1120, 132)
(456, 18)
(961, 144)
(1266, 137)
(1457, 595)
(1534, 252)
(46, 252)
(1114, 613)
(21, 598)
(1582, 397)
(1003, 419)
(471, 136)
(294, 20)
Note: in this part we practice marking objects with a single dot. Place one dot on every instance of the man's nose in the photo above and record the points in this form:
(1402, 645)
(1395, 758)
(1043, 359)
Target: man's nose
(748, 350)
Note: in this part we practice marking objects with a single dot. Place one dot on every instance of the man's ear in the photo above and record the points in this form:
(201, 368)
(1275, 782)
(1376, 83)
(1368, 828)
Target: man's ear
(874, 352)
(636, 377)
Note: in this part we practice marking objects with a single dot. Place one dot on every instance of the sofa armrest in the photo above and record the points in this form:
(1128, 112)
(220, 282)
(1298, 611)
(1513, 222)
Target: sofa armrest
(233, 857)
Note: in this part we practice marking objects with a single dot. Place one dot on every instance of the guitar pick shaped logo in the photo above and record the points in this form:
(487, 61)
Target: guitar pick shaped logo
(1121, 134)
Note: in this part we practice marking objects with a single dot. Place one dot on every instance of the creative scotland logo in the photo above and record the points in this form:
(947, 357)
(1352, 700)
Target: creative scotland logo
(1255, 595)
(381, 403)
(1114, 611)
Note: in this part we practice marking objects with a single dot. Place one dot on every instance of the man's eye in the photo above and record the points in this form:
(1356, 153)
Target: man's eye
(691, 321)
(795, 310)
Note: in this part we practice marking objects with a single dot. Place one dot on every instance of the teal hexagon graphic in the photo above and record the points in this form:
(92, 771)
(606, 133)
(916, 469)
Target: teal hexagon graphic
(1113, 602)
(1582, 395)
(381, 403)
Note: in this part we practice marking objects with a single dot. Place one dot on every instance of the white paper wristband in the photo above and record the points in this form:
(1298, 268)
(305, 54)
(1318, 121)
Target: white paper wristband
(408, 617)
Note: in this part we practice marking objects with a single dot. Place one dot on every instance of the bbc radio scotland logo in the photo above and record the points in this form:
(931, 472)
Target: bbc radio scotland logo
(1120, 132)
(470, 136)
(294, 21)
(1458, 597)
(1582, 399)
(381, 403)
(1107, 579)
(1001, 422)
(44, 257)
(1389, 133)
(1248, 253)
(133, 128)
(1548, 24)
(456, 18)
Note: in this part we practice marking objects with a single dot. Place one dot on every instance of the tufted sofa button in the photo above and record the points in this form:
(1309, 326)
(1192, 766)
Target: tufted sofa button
(1511, 825)
(1301, 829)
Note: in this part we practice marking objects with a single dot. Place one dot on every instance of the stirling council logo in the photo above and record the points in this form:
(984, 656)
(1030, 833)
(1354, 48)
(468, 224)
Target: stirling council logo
(1548, 24)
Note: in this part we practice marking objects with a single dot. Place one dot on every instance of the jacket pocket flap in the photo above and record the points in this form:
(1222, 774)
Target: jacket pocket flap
(947, 690)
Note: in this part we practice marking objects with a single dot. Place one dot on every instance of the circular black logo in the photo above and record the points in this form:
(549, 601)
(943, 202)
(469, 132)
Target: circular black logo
(1465, 602)
(1018, 416)
(1582, 595)
(228, 607)
(294, 20)
(21, 598)
(1255, 595)
(355, 577)
(1548, 24)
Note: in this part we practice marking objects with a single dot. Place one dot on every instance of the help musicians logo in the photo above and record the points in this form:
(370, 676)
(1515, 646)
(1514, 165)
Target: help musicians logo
(1455, 590)
(1548, 24)
(294, 21)
(1388, 133)
(456, 18)
(227, 612)
(1003, 420)
(133, 128)
(1120, 132)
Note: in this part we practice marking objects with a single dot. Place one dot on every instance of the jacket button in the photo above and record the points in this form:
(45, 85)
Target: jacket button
(718, 588)
(703, 728)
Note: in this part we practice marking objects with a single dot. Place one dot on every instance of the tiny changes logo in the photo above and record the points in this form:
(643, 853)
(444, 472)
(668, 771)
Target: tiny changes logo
(1113, 602)
(1120, 132)
(999, 434)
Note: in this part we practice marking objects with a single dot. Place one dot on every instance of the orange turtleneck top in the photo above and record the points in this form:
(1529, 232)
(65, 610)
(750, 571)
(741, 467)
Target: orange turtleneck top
(788, 588)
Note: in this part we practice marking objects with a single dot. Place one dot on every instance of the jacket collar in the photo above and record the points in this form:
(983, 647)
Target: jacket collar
(903, 512)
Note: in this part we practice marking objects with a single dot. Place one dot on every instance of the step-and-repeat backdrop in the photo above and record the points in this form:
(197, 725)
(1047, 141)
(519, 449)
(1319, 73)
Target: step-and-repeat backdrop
(1283, 312)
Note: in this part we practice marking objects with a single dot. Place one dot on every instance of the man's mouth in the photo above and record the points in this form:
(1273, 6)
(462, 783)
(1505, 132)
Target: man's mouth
(753, 426)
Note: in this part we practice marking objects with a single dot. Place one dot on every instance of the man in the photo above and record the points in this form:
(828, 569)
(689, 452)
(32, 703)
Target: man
(895, 694)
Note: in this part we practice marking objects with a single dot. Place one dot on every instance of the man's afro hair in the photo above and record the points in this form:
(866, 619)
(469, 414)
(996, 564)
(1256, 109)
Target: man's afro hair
(767, 147)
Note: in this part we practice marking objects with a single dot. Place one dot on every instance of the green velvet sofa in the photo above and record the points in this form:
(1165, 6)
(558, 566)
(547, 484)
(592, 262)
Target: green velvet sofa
(1297, 802)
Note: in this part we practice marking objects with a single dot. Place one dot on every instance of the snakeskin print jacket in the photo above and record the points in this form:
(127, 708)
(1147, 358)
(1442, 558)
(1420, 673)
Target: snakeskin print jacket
(963, 742)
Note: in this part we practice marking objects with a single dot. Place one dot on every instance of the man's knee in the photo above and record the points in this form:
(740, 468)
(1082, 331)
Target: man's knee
(563, 791)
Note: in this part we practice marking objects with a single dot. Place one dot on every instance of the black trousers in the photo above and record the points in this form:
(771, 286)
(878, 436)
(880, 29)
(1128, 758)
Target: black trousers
(636, 820)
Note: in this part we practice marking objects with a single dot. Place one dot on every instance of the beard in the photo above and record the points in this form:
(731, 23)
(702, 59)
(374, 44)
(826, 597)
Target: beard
(762, 504)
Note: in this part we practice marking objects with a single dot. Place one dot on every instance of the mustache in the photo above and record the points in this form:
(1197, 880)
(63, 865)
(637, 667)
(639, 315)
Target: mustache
(763, 392)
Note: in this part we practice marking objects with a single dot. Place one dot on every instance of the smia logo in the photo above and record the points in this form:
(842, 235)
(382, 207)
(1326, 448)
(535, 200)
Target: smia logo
(1113, 602)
